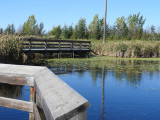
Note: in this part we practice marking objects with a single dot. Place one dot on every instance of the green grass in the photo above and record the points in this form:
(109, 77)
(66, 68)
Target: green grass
(98, 62)
(96, 58)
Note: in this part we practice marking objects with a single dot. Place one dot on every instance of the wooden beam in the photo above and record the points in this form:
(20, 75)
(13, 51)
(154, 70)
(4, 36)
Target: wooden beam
(32, 97)
(16, 104)
(36, 112)
(16, 80)
(51, 40)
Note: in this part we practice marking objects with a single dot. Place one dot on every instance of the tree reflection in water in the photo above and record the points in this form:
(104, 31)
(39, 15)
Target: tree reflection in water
(11, 91)
(131, 70)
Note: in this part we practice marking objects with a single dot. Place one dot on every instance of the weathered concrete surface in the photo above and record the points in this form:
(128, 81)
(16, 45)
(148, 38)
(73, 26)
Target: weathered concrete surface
(58, 100)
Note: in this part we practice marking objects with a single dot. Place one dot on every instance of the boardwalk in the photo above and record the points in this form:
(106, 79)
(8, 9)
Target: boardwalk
(47, 92)
(56, 46)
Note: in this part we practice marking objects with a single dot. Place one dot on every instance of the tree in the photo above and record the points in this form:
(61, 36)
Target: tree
(70, 31)
(135, 25)
(30, 26)
(56, 31)
(75, 33)
(153, 33)
(122, 29)
(41, 27)
(153, 29)
(1, 30)
(65, 32)
(96, 28)
(10, 29)
(81, 29)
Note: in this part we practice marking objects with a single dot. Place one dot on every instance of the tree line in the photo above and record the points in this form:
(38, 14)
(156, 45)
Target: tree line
(130, 28)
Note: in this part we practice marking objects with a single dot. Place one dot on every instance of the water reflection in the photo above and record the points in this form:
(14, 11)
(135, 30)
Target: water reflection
(119, 89)
(14, 92)
(129, 70)
(103, 93)
(11, 91)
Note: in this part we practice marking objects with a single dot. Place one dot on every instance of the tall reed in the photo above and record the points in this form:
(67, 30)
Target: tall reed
(134, 48)
(10, 49)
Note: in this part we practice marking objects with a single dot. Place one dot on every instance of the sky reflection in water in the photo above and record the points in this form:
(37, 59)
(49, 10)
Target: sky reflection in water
(116, 89)
(14, 92)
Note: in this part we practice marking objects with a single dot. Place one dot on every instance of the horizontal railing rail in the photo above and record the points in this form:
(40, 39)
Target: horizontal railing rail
(47, 91)
(54, 45)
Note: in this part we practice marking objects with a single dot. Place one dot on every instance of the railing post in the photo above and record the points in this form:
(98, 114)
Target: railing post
(32, 99)
(29, 44)
(59, 49)
(80, 45)
(72, 52)
(89, 46)
(59, 45)
(30, 48)
(45, 46)
(72, 45)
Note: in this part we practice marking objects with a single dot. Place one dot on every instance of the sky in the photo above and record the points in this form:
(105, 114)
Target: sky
(67, 12)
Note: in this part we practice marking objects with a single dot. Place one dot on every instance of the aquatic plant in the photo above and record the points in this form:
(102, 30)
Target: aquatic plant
(133, 49)
(10, 48)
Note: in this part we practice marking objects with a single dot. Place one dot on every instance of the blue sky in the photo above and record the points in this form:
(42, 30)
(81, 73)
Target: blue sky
(55, 12)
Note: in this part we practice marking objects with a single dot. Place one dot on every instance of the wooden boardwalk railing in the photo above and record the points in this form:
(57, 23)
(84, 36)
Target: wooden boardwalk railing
(56, 46)
(47, 91)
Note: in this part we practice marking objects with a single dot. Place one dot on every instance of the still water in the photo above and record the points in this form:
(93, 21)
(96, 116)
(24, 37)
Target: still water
(117, 89)
(14, 92)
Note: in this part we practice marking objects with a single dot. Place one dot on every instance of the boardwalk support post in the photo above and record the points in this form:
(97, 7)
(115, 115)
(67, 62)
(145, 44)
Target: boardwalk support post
(32, 97)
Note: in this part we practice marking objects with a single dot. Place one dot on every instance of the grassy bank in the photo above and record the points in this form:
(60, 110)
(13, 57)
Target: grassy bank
(11, 49)
(98, 62)
(127, 49)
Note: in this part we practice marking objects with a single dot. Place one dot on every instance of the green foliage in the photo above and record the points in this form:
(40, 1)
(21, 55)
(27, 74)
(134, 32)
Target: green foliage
(70, 31)
(121, 47)
(129, 28)
(56, 31)
(135, 25)
(96, 28)
(10, 30)
(65, 33)
(81, 29)
(31, 28)
(137, 48)
(122, 29)
(1, 30)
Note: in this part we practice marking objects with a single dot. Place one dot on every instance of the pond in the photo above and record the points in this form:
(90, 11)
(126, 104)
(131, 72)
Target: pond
(117, 89)
(14, 92)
